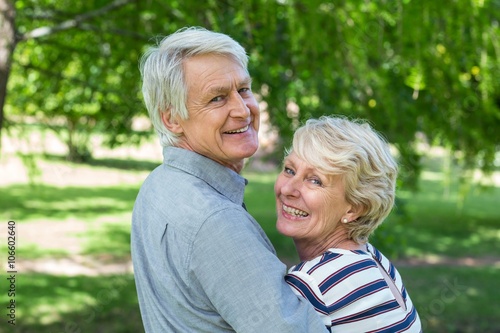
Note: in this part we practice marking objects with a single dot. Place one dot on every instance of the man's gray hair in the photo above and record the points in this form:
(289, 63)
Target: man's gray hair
(163, 80)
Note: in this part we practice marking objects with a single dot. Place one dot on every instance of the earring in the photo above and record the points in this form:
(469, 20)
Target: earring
(344, 220)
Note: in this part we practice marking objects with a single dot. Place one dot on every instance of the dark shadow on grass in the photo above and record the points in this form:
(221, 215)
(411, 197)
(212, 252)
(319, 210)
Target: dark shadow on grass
(33, 251)
(111, 240)
(23, 202)
(127, 164)
(58, 304)
(114, 163)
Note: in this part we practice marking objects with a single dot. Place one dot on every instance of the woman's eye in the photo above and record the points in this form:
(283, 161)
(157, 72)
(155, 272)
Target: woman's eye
(288, 171)
(316, 181)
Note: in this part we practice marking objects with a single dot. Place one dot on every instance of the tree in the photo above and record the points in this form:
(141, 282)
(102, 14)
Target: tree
(412, 68)
(7, 46)
(75, 66)
(76, 81)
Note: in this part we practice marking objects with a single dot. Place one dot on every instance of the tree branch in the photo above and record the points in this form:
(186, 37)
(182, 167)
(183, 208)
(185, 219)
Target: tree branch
(76, 21)
(119, 32)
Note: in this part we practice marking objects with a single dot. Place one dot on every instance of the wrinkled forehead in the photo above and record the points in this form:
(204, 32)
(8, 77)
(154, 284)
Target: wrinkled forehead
(214, 75)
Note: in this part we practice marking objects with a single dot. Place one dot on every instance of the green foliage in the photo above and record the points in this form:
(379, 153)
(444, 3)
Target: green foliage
(442, 224)
(79, 81)
(409, 67)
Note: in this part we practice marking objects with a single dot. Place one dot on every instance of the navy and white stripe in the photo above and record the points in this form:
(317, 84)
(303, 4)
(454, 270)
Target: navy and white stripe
(349, 292)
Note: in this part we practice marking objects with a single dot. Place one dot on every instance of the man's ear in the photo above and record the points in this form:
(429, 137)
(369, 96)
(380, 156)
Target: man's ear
(170, 122)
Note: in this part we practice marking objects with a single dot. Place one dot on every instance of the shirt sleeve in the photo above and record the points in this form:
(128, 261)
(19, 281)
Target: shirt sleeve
(304, 285)
(235, 265)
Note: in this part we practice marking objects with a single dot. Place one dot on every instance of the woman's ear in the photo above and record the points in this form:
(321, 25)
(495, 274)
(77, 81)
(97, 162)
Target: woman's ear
(353, 213)
(170, 122)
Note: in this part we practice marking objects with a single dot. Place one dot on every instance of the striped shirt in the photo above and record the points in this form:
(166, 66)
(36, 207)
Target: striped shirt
(350, 293)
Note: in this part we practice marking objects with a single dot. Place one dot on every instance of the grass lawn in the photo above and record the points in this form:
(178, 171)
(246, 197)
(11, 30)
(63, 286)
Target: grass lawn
(57, 304)
(427, 224)
(455, 299)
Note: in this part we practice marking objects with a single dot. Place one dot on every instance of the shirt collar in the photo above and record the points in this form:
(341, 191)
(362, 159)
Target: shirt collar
(222, 179)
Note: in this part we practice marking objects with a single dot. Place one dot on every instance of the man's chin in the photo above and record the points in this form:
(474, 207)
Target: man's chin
(251, 152)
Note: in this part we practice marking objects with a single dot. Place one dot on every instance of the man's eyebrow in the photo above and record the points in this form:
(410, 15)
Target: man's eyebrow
(218, 89)
(223, 88)
(246, 82)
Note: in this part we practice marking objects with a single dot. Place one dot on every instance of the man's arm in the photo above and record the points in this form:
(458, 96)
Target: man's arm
(236, 267)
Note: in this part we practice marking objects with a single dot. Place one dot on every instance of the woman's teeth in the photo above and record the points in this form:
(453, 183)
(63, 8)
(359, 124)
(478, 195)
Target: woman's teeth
(293, 211)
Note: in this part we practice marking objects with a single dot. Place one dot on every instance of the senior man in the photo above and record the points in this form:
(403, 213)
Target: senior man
(201, 261)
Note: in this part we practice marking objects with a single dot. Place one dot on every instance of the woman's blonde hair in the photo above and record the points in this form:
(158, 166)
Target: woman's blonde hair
(353, 150)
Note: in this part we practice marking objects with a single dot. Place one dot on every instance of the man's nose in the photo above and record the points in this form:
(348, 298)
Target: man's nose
(239, 107)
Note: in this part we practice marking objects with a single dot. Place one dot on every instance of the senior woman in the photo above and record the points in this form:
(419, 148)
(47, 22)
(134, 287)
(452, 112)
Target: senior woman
(337, 185)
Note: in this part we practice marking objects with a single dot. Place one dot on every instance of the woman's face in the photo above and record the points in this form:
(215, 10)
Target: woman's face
(309, 204)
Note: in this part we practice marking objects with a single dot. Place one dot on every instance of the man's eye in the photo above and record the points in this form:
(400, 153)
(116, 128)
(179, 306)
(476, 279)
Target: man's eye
(217, 99)
(244, 90)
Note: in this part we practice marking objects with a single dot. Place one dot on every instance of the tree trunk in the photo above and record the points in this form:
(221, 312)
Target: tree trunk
(77, 143)
(7, 45)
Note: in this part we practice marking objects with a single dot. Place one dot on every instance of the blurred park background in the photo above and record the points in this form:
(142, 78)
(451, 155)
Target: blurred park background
(76, 143)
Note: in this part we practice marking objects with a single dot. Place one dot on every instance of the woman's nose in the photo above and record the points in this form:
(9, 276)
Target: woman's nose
(291, 187)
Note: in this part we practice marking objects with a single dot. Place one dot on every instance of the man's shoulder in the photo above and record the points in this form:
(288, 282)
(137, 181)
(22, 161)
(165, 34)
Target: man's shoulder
(182, 199)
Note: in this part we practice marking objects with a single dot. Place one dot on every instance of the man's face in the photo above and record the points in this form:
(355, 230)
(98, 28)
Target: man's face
(223, 114)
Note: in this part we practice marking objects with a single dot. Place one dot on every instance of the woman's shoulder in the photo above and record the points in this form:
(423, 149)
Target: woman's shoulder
(335, 260)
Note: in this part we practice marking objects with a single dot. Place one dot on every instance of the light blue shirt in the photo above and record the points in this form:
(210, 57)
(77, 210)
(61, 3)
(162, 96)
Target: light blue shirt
(201, 262)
